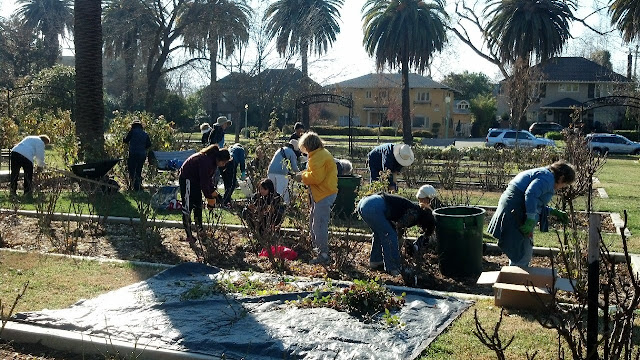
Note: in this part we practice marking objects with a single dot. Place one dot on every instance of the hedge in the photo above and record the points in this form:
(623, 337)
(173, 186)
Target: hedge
(629, 134)
(359, 131)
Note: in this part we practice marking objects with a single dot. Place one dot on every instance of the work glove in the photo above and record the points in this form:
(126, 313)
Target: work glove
(211, 203)
(527, 228)
(298, 177)
(560, 215)
(243, 176)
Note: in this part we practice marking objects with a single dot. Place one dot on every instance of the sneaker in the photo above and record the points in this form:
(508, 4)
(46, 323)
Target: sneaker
(376, 265)
(321, 259)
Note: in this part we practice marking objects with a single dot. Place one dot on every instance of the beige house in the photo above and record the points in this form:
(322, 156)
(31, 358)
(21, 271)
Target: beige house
(377, 102)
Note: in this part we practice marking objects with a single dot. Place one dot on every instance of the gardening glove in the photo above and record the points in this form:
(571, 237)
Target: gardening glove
(560, 215)
(211, 203)
(243, 176)
(298, 177)
(527, 228)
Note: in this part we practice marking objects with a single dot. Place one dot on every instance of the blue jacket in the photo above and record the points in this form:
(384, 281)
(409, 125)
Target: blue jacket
(138, 141)
(381, 158)
(277, 165)
(538, 188)
(239, 156)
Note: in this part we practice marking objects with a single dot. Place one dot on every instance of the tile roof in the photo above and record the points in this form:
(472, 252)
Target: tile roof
(577, 69)
(388, 80)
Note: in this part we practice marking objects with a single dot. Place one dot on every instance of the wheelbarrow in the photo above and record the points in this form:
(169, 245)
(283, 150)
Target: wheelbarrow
(93, 176)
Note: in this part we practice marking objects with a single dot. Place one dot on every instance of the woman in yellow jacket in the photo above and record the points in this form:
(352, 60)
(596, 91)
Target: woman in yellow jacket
(321, 176)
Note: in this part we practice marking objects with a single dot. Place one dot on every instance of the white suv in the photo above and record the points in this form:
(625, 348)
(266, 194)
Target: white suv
(502, 138)
(612, 143)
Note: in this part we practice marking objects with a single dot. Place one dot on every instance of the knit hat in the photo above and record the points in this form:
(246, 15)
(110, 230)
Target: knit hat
(426, 191)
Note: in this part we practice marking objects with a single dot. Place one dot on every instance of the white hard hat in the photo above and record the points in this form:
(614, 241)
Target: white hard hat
(426, 191)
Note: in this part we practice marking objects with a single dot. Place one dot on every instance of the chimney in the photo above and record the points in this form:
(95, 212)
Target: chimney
(629, 63)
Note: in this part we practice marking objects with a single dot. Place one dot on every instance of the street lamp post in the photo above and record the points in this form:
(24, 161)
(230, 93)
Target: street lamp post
(246, 129)
(447, 101)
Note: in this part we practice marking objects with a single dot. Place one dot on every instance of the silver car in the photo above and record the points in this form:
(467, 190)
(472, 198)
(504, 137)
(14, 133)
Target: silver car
(612, 143)
(501, 138)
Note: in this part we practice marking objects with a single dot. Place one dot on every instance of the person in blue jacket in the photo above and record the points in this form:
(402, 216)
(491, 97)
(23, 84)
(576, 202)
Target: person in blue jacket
(230, 171)
(521, 205)
(392, 157)
(139, 144)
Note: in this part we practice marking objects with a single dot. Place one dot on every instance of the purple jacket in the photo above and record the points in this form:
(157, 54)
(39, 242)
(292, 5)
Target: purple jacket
(199, 168)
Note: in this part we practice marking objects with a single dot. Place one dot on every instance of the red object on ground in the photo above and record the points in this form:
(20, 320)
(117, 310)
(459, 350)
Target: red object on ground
(281, 252)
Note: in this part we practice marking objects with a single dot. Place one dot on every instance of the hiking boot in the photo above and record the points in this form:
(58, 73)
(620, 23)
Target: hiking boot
(376, 265)
(321, 259)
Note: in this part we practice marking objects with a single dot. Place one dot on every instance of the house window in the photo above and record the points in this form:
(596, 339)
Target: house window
(383, 94)
(367, 94)
(603, 90)
(436, 108)
(420, 122)
(463, 105)
(423, 96)
(568, 87)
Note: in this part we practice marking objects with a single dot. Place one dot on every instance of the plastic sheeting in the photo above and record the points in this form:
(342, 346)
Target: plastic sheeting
(156, 313)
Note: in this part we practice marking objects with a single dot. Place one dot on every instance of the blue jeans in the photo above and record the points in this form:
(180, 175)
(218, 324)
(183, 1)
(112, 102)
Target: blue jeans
(319, 219)
(384, 246)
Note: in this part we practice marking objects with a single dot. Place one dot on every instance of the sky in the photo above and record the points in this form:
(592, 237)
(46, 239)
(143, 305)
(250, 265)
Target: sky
(347, 59)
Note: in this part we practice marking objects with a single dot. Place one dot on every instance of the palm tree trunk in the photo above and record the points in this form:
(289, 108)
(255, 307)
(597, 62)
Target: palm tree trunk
(89, 107)
(213, 84)
(407, 136)
(304, 51)
(52, 47)
(129, 63)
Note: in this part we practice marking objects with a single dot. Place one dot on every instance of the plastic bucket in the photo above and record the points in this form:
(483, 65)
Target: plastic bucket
(459, 232)
(348, 187)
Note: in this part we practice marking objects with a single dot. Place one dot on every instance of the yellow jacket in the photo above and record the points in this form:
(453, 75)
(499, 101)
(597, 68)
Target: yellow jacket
(321, 174)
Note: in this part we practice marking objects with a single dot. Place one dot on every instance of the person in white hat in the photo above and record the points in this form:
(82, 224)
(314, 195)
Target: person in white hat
(427, 197)
(392, 157)
(216, 136)
(205, 131)
(282, 163)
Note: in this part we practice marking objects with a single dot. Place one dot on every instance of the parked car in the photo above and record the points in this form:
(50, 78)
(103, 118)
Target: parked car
(501, 138)
(612, 143)
(541, 128)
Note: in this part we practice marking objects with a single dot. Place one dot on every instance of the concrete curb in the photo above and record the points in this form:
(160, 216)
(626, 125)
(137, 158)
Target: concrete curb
(79, 343)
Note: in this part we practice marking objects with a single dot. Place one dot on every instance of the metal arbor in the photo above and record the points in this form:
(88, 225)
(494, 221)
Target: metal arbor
(329, 98)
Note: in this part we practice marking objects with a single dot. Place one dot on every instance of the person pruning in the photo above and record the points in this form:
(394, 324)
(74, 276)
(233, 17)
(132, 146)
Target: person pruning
(392, 157)
(22, 156)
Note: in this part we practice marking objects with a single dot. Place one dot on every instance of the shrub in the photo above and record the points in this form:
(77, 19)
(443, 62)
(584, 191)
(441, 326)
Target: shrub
(554, 135)
(629, 134)
(9, 133)
(422, 133)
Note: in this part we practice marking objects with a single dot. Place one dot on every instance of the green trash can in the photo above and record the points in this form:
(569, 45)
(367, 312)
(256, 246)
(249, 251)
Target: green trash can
(348, 187)
(459, 233)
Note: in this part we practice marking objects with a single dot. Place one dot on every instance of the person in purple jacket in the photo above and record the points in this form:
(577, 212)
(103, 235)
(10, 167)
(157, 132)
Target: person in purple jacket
(521, 204)
(196, 178)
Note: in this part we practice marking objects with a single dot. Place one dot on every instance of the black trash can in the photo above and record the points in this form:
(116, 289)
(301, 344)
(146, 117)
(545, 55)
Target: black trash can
(348, 187)
(459, 232)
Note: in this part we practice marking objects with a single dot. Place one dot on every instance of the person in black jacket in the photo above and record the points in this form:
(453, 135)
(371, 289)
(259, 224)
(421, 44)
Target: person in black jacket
(389, 216)
(265, 210)
(139, 143)
(216, 135)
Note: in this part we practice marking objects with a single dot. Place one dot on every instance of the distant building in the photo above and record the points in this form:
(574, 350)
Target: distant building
(565, 83)
(377, 102)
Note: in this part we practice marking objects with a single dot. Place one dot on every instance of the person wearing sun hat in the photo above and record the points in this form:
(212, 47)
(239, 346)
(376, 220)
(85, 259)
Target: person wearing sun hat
(216, 136)
(205, 131)
(392, 157)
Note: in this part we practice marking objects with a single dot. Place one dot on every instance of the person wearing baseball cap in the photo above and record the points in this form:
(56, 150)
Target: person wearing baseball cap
(392, 157)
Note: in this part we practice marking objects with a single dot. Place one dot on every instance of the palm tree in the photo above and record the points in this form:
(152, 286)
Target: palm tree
(51, 18)
(301, 26)
(89, 109)
(404, 34)
(221, 25)
(520, 30)
(625, 15)
(124, 21)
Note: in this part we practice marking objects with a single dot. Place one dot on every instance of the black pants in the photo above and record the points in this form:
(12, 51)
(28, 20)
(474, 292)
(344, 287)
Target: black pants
(191, 196)
(134, 166)
(18, 161)
(229, 178)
